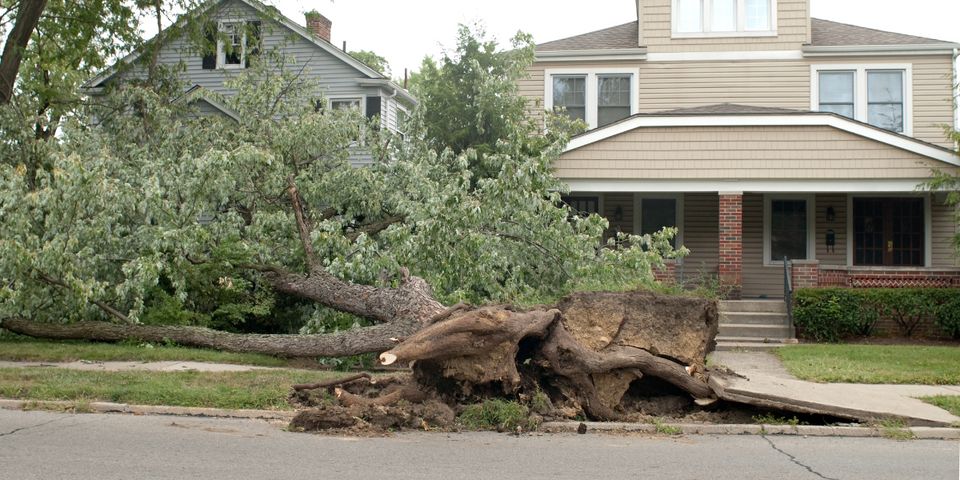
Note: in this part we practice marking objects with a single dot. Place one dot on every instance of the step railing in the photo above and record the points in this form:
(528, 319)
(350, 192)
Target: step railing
(788, 290)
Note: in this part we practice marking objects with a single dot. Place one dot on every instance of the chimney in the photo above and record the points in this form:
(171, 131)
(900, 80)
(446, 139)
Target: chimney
(319, 25)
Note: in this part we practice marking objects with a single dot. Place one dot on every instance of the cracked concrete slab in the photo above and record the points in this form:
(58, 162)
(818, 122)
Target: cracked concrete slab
(763, 384)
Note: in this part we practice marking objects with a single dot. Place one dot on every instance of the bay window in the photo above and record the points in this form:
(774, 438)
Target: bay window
(598, 96)
(724, 17)
(874, 94)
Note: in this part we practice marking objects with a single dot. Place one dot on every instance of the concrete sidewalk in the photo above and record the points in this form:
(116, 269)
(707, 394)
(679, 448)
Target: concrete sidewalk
(766, 383)
(169, 366)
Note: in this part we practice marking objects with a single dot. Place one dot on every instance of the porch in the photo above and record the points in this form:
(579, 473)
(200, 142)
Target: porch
(739, 240)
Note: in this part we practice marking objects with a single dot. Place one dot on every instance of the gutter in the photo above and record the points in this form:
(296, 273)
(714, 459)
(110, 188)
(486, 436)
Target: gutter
(388, 84)
(871, 50)
(605, 54)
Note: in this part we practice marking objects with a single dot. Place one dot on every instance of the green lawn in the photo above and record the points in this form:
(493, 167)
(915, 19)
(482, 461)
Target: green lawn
(948, 403)
(263, 389)
(873, 364)
(23, 349)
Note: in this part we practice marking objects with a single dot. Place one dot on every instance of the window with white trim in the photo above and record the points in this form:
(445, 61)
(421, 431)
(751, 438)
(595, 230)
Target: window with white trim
(232, 45)
(877, 95)
(345, 103)
(788, 228)
(724, 17)
(598, 96)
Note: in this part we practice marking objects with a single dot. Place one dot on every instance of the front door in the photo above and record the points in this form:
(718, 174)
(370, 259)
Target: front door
(888, 232)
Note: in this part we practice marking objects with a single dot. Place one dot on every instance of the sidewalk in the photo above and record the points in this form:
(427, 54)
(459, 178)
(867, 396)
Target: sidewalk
(768, 384)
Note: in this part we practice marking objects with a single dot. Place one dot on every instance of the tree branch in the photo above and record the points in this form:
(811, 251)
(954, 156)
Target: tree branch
(374, 228)
(101, 305)
(303, 225)
(28, 15)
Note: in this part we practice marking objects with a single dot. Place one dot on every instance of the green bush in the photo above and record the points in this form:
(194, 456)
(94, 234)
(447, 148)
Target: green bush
(833, 314)
(497, 414)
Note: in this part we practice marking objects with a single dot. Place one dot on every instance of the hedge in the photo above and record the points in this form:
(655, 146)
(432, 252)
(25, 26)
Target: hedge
(833, 314)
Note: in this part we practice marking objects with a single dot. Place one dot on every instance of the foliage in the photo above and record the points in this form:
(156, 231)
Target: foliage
(497, 414)
(372, 60)
(833, 314)
(897, 364)
(950, 403)
(666, 429)
(772, 419)
(895, 429)
(154, 215)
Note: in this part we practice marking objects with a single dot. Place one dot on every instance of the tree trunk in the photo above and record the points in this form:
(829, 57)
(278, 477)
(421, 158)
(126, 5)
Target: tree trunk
(28, 15)
(354, 342)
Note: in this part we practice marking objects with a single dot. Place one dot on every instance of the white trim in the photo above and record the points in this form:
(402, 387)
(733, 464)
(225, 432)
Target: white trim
(927, 229)
(221, 53)
(725, 56)
(806, 119)
(876, 50)
(811, 201)
(956, 90)
(361, 101)
(592, 75)
(706, 15)
(605, 54)
(389, 85)
(866, 186)
(860, 88)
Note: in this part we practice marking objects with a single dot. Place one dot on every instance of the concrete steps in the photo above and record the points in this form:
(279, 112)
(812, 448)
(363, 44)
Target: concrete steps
(754, 325)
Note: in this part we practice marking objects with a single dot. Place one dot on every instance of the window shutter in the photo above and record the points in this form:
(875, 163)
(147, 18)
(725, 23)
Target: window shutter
(210, 46)
(254, 40)
(373, 106)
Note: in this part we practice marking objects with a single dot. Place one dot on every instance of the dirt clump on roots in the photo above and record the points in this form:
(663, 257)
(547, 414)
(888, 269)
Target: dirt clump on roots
(596, 356)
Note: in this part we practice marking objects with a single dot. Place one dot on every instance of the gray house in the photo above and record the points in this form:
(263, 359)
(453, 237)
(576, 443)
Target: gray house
(253, 27)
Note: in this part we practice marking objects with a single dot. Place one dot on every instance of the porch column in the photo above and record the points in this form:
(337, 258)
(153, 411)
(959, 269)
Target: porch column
(731, 243)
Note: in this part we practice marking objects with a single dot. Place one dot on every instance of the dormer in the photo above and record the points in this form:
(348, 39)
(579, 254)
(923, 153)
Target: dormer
(670, 26)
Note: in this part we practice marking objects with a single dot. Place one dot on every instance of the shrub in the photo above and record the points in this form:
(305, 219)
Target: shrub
(833, 314)
(497, 414)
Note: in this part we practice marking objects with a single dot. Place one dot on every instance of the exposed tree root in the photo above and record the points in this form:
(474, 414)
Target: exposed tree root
(332, 383)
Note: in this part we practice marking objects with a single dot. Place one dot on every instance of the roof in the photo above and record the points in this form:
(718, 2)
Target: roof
(826, 33)
(197, 93)
(834, 34)
(268, 12)
(744, 115)
(726, 109)
(621, 36)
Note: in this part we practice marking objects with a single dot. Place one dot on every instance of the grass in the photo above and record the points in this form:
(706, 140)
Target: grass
(30, 350)
(895, 364)
(771, 419)
(664, 429)
(946, 402)
(895, 429)
(497, 415)
(264, 389)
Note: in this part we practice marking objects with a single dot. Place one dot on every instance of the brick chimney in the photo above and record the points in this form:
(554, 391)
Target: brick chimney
(319, 25)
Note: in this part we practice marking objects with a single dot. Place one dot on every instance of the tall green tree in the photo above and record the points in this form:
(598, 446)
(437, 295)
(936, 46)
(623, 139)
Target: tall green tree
(372, 60)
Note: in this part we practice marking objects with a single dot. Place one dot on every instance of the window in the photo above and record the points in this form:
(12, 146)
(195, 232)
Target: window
(837, 93)
(724, 17)
(581, 205)
(570, 92)
(889, 232)
(345, 103)
(654, 213)
(598, 96)
(874, 94)
(788, 228)
(231, 47)
(885, 99)
(613, 103)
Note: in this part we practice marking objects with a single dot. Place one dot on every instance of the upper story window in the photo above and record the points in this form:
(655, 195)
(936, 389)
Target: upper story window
(232, 45)
(599, 97)
(878, 95)
(693, 18)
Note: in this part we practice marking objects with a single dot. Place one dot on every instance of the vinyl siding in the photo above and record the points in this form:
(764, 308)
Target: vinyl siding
(783, 84)
(809, 152)
(837, 255)
(793, 30)
(944, 230)
(701, 233)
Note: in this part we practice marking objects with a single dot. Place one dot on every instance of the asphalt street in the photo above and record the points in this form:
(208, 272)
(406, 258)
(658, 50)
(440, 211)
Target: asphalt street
(43, 445)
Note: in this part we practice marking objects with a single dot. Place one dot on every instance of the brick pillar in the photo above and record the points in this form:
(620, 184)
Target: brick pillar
(731, 243)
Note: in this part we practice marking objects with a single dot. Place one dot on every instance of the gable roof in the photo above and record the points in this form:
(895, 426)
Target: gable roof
(268, 12)
(826, 33)
(728, 115)
(197, 93)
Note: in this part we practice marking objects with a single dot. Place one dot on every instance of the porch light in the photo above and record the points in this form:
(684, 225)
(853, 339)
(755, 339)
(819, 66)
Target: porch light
(831, 214)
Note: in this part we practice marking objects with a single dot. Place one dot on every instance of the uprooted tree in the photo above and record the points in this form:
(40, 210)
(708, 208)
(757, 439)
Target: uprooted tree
(152, 225)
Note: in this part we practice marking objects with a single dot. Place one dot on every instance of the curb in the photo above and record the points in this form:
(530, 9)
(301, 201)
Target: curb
(919, 433)
(108, 407)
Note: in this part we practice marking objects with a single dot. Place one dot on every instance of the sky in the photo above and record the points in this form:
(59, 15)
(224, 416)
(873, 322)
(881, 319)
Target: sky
(404, 31)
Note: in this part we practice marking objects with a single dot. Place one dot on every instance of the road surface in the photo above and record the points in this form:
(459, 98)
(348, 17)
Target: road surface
(43, 445)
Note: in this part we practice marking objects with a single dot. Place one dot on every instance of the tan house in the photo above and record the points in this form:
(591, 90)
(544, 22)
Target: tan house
(762, 134)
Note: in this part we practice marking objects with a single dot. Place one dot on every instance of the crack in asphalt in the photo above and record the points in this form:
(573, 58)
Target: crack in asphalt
(17, 430)
(794, 460)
